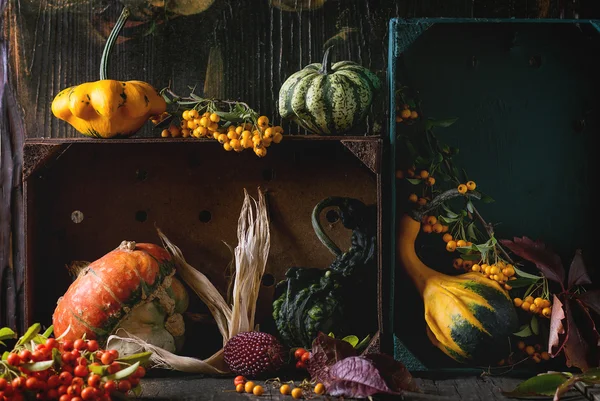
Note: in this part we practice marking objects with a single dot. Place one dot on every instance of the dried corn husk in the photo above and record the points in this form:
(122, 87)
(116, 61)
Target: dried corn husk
(250, 258)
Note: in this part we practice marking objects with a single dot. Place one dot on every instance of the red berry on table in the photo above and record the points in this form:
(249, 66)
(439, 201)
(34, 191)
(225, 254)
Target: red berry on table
(299, 352)
(305, 357)
(300, 365)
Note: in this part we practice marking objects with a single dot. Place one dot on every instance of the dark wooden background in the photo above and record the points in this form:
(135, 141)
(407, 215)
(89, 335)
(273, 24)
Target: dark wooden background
(47, 45)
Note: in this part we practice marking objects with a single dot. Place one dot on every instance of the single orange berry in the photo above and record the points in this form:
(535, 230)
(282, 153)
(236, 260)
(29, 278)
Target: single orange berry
(526, 306)
(476, 268)
(414, 115)
(422, 201)
(413, 198)
(431, 220)
(430, 181)
(457, 263)
(239, 388)
(427, 228)
(462, 189)
(451, 246)
(461, 243)
(471, 185)
(529, 350)
(447, 237)
(424, 174)
(437, 228)
(405, 114)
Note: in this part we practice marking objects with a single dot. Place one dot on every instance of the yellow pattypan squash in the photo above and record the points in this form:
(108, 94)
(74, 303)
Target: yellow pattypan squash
(108, 108)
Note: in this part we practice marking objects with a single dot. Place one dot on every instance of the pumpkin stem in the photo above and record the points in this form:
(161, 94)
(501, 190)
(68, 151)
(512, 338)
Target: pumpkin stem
(111, 41)
(326, 65)
(127, 246)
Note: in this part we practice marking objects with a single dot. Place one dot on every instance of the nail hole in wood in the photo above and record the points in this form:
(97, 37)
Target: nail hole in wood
(141, 216)
(332, 216)
(535, 61)
(268, 174)
(268, 280)
(141, 175)
(204, 216)
(77, 216)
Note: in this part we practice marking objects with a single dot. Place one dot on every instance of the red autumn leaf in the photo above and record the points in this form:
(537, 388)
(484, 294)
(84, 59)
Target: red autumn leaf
(556, 327)
(577, 272)
(356, 377)
(591, 299)
(576, 346)
(326, 351)
(546, 260)
(393, 372)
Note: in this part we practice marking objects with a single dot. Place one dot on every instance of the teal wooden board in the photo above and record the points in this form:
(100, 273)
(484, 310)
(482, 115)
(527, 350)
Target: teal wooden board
(516, 132)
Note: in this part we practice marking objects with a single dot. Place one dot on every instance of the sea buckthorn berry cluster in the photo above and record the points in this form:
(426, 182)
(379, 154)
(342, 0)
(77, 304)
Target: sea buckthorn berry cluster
(464, 188)
(66, 370)
(500, 271)
(405, 114)
(431, 224)
(536, 306)
(257, 136)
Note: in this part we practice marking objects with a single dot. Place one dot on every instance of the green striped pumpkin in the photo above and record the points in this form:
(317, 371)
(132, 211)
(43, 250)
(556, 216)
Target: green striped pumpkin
(326, 99)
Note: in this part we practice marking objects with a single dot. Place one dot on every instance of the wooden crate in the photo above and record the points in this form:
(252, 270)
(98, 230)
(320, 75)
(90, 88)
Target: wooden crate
(84, 196)
(525, 94)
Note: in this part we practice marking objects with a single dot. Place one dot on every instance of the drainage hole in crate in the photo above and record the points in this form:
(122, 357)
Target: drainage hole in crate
(268, 280)
(332, 216)
(77, 216)
(268, 174)
(141, 216)
(204, 216)
(535, 61)
(141, 175)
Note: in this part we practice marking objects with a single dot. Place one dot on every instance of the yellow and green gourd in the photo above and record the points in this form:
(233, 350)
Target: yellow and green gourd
(469, 317)
(108, 108)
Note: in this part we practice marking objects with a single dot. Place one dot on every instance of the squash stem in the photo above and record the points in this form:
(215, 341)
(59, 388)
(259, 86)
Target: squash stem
(326, 66)
(316, 223)
(111, 41)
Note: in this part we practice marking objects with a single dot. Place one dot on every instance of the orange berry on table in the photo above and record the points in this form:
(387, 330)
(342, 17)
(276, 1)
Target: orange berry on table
(186, 133)
(471, 185)
(538, 301)
(447, 237)
(414, 115)
(258, 390)
(222, 138)
(191, 124)
(183, 123)
(462, 189)
(431, 220)
(240, 388)
(427, 228)
(494, 270)
(269, 132)
(246, 143)
(260, 151)
(204, 121)
(232, 135)
(399, 174)
(214, 134)
(285, 389)
(319, 389)
(213, 127)
(424, 174)
(537, 358)
(526, 306)
(206, 114)
(215, 118)
(521, 345)
(430, 181)
(245, 133)
(278, 129)
(507, 287)
(437, 228)
(547, 312)
(405, 113)
(278, 137)
(235, 143)
(413, 198)
(297, 393)
(476, 268)
(451, 246)
(461, 242)
(165, 133)
(500, 277)
(422, 201)
(546, 303)
(249, 386)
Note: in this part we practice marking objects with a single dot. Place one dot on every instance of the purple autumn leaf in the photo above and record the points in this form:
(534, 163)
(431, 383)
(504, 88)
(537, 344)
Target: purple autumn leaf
(577, 272)
(556, 327)
(356, 377)
(577, 349)
(591, 299)
(546, 260)
(394, 372)
(325, 352)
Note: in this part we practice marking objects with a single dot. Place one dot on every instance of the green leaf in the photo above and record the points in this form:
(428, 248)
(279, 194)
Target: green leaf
(38, 366)
(421, 161)
(447, 220)
(121, 374)
(6, 333)
(521, 282)
(591, 376)
(331, 335)
(444, 123)
(524, 331)
(141, 357)
(466, 249)
(5, 355)
(525, 274)
(534, 325)
(364, 342)
(486, 199)
(544, 384)
(30, 334)
(56, 358)
(414, 181)
(483, 248)
(471, 256)
(471, 231)
(449, 212)
(438, 157)
(48, 331)
(101, 370)
(353, 340)
(137, 390)
(470, 206)
(39, 339)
